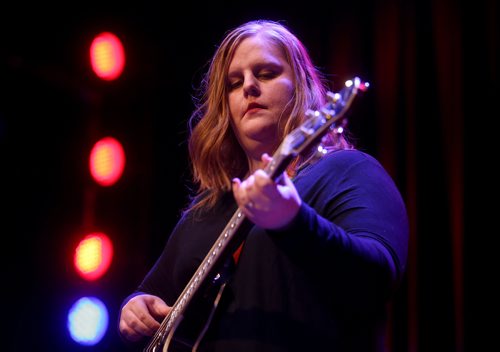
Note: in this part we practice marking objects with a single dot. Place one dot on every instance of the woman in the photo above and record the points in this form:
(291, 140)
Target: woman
(325, 251)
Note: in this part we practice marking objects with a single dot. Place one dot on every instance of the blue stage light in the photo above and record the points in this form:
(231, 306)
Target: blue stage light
(87, 321)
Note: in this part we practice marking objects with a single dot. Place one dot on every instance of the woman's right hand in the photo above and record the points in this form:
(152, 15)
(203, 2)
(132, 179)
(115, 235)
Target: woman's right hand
(140, 316)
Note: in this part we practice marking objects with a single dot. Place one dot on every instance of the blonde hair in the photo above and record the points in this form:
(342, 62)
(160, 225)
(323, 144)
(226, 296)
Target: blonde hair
(216, 156)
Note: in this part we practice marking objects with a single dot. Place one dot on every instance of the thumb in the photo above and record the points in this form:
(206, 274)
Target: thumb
(286, 180)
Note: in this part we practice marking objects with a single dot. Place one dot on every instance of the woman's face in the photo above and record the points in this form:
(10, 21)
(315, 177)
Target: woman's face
(261, 87)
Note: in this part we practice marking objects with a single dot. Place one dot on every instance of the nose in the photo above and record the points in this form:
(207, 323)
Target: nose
(251, 86)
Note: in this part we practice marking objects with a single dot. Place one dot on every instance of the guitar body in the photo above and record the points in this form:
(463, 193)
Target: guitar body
(191, 328)
(187, 330)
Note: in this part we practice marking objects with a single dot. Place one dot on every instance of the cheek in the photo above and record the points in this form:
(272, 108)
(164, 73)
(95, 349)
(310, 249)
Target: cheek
(234, 106)
(284, 95)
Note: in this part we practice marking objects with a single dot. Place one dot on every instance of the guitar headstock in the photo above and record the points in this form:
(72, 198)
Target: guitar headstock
(331, 115)
(319, 122)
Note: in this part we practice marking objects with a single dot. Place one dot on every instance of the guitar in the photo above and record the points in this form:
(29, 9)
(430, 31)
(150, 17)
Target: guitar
(215, 268)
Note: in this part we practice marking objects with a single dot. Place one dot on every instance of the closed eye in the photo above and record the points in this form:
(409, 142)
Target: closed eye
(234, 85)
(264, 72)
(266, 75)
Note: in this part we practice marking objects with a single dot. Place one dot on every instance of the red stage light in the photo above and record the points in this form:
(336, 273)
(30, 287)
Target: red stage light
(107, 56)
(107, 161)
(93, 256)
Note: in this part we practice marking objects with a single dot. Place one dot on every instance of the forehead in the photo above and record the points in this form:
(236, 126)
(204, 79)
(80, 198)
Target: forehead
(256, 49)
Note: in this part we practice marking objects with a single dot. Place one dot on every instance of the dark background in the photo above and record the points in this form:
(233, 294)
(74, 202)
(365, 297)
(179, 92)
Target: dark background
(429, 64)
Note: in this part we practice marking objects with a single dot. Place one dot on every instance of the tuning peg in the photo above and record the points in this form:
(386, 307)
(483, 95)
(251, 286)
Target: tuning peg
(363, 86)
(311, 113)
(338, 129)
(333, 97)
(321, 150)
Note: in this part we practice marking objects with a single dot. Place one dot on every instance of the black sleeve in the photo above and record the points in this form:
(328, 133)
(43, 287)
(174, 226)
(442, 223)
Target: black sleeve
(352, 216)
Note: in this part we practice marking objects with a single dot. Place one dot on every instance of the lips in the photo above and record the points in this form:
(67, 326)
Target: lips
(254, 107)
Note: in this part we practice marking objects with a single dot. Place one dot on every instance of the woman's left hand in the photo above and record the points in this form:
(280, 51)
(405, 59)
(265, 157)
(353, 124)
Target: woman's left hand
(268, 204)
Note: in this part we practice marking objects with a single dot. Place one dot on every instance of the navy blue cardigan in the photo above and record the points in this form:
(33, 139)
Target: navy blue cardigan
(321, 284)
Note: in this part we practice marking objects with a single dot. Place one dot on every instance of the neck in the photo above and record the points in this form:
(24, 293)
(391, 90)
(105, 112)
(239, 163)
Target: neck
(254, 164)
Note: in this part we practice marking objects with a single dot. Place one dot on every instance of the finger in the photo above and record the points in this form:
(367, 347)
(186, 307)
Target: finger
(129, 333)
(266, 157)
(236, 182)
(137, 324)
(286, 180)
(159, 309)
(156, 306)
(248, 182)
(146, 324)
(238, 190)
(261, 179)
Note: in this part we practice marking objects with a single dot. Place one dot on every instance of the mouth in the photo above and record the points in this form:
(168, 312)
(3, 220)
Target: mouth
(253, 108)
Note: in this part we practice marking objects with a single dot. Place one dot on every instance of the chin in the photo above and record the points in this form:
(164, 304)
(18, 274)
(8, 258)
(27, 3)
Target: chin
(260, 132)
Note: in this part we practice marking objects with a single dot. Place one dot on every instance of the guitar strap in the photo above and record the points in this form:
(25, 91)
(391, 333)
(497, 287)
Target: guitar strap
(224, 272)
